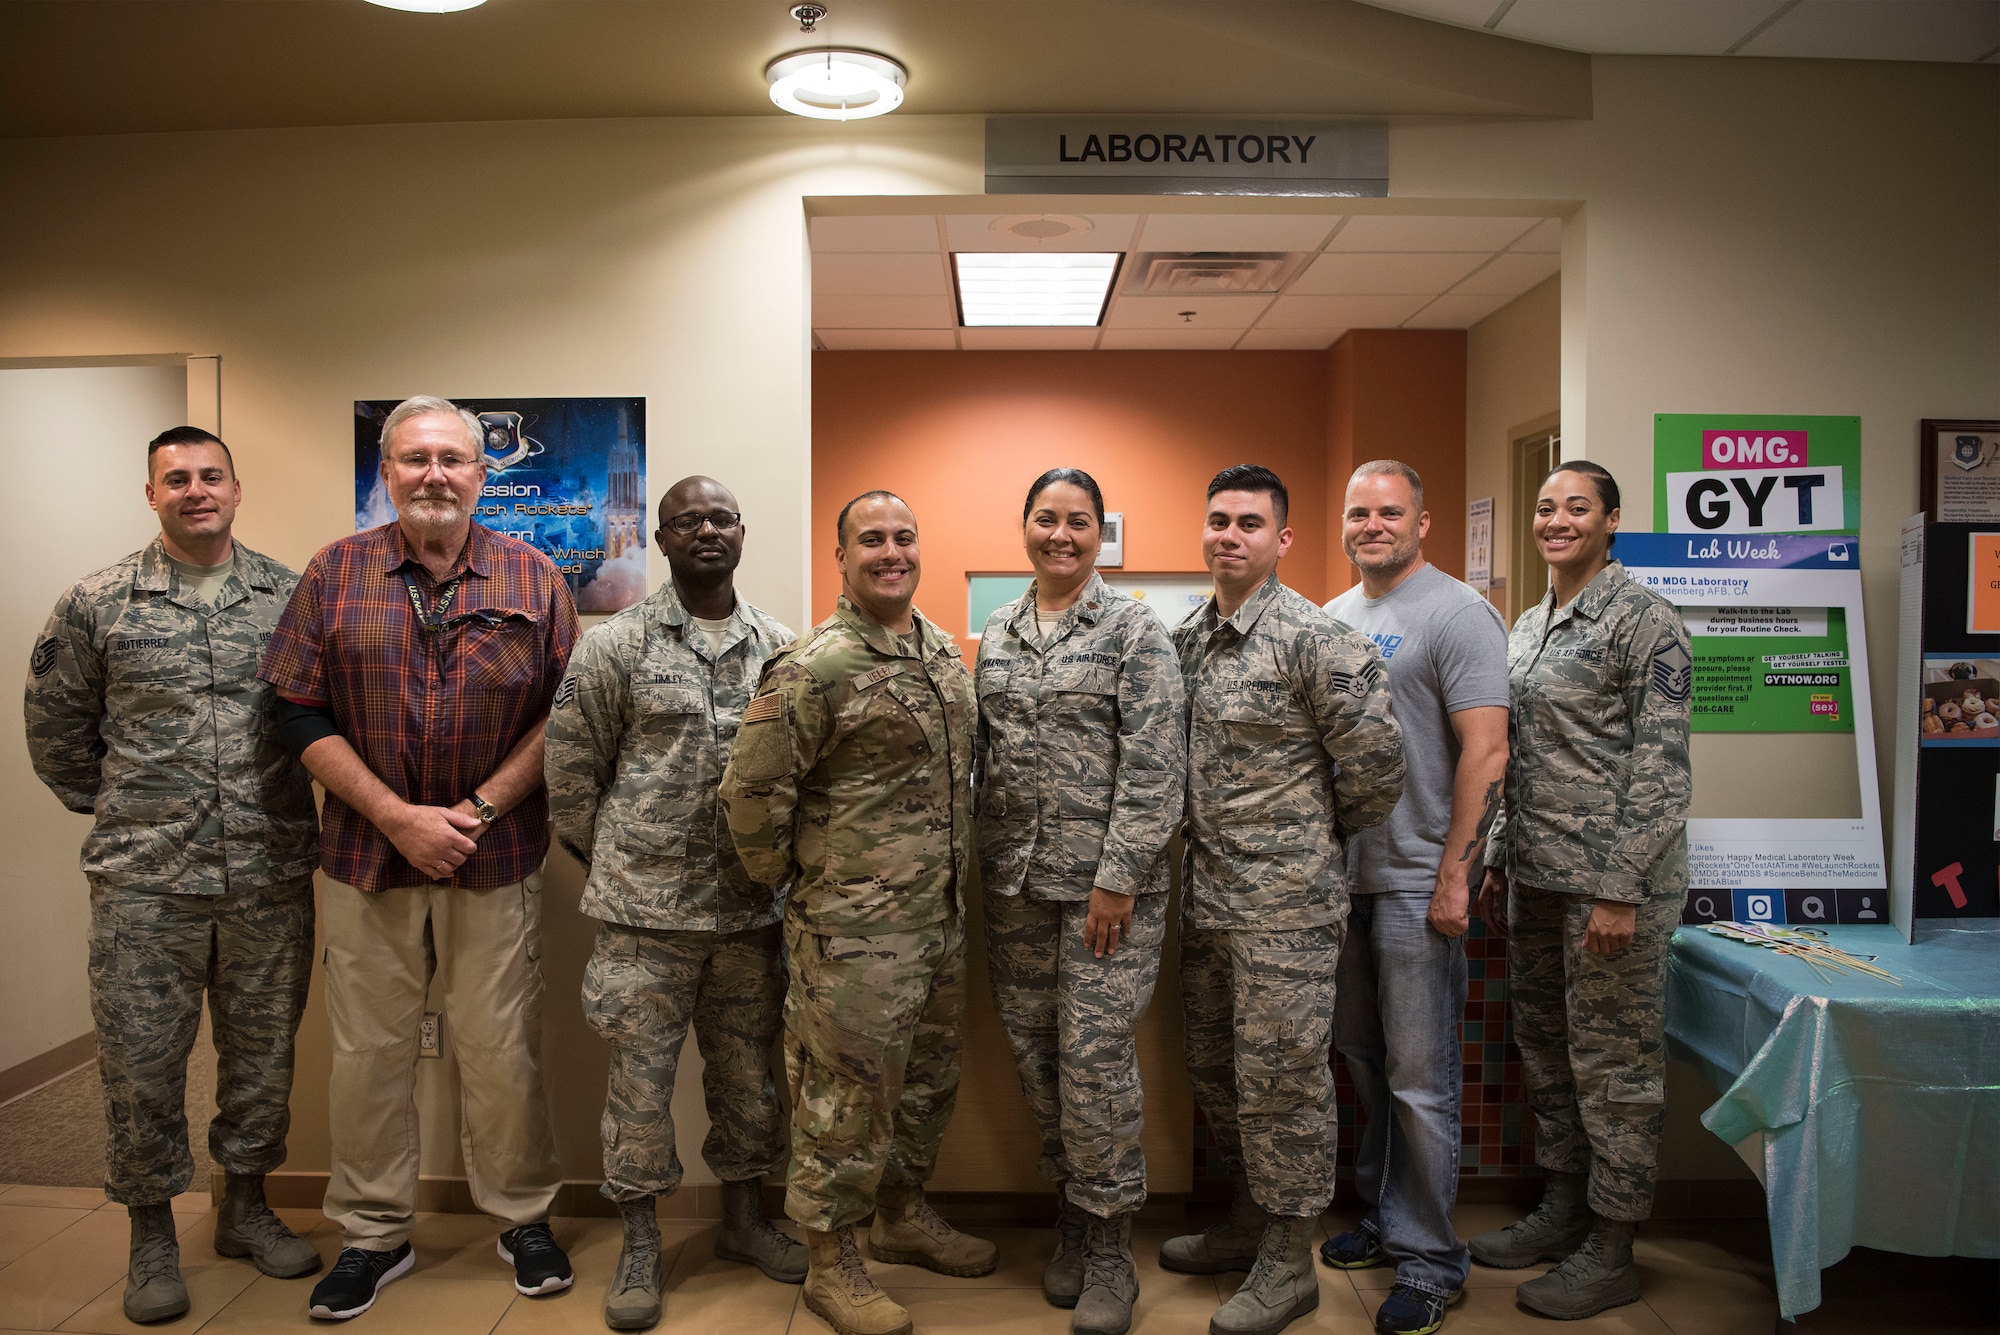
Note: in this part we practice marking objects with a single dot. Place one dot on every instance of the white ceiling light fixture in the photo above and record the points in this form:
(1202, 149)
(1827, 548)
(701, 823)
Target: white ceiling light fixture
(836, 85)
(428, 6)
(1015, 288)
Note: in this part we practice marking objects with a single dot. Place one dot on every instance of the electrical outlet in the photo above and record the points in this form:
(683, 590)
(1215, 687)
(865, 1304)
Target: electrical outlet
(429, 1033)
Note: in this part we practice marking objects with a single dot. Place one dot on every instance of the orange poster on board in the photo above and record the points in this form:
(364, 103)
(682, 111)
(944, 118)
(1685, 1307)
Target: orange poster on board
(1982, 615)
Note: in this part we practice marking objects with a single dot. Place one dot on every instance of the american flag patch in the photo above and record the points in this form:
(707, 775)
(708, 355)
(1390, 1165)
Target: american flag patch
(765, 707)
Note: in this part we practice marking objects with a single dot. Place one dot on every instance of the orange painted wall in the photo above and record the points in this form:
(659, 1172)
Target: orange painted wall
(1400, 394)
(960, 435)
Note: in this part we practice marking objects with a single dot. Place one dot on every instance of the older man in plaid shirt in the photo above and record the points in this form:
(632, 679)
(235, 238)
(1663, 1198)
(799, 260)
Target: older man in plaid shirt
(415, 664)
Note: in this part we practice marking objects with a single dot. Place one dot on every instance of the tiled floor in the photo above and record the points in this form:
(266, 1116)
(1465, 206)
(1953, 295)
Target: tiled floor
(62, 1261)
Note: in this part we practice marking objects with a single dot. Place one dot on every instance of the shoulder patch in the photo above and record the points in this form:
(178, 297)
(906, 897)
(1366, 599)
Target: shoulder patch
(566, 692)
(1673, 671)
(873, 675)
(764, 707)
(43, 660)
(1357, 684)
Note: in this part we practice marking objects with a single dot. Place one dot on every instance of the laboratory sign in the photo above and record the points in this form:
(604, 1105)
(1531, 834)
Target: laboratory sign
(1184, 155)
(1756, 473)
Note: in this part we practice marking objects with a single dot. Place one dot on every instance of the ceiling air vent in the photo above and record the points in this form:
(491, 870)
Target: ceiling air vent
(1213, 271)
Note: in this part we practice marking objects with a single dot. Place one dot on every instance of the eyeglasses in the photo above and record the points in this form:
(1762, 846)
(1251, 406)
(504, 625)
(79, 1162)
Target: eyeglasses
(719, 520)
(418, 464)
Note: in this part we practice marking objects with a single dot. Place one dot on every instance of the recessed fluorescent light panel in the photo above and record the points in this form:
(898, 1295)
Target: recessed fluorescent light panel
(1016, 288)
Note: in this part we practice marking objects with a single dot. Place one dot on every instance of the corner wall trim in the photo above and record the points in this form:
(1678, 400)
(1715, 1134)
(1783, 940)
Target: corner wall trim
(35, 1072)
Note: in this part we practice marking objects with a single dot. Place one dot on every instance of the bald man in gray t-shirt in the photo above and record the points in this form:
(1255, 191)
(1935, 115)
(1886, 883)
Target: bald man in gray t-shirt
(1400, 990)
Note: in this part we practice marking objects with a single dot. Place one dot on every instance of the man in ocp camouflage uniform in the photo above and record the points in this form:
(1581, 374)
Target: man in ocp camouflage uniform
(1291, 749)
(637, 740)
(852, 778)
(144, 710)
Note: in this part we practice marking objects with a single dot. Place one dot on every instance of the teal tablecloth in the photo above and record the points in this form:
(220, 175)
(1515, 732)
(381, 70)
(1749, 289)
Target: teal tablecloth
(1873, 1110)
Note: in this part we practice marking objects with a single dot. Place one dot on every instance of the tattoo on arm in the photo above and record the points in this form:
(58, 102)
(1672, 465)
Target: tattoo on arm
(1477, 843)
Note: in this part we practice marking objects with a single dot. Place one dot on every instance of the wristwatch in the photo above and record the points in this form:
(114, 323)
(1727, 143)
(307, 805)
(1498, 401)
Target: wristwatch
(485, 810)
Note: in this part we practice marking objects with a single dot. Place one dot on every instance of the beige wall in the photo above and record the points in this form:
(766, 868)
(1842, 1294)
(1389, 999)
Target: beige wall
(1513, 382)
(1764, 236)
(1751, 235)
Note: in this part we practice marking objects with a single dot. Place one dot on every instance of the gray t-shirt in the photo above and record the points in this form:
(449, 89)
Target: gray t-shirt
(1446, 650)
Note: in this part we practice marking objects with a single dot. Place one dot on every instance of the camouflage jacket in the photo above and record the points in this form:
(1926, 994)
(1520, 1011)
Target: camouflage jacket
(638, 736)
(1083, 757)
(1292, 747)
(852, 777)
(1598, 779)
(144, 709)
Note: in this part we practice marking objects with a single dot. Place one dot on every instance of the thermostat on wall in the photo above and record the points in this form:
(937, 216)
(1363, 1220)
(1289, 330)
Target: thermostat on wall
(1111, 552)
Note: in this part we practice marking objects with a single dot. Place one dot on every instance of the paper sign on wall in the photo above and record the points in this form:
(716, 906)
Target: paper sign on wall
(1982, 604)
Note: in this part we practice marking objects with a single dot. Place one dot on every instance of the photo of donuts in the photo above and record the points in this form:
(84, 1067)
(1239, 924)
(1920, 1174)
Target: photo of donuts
(1960, 704)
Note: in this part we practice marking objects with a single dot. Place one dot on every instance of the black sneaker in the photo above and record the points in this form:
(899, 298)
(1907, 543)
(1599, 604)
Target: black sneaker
(355, 1280)
(539, 1265)
(1357, 1249)
(1411, 1311)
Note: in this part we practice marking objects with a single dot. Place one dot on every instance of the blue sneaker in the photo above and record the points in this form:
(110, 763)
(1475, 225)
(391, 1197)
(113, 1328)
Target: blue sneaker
(1355, 1250)
(1410, 1311)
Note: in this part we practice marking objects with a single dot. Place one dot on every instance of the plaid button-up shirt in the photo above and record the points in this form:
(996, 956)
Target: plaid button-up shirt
(351, 641)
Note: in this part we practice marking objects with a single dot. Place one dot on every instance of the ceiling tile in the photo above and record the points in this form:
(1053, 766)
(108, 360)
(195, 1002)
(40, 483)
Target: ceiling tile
(1274, 340)
(1341, 312)
(1457, 310)
(865, 312)
(918, 232)
(976, 232)
(1235, 231)
(1636, 27)
(1379, 231)
(1169, 339)
(1544, 238)
(1512, 274)
(1210, 312)
(902, 340)
(1874, 30)
(1027, 340)
(878, 275)
(1358, 273)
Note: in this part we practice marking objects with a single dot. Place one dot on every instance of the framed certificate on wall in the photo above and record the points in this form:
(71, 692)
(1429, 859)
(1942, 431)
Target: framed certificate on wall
(1960, 471)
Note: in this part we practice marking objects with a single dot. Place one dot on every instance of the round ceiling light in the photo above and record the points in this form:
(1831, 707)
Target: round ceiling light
(834, 85)
(428, 6)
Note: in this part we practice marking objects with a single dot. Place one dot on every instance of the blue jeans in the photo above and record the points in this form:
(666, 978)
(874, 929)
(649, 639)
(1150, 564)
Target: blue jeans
(1399, 995)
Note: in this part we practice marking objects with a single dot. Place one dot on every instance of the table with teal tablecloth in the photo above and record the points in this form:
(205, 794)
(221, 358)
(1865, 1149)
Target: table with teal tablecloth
(1871, 1112)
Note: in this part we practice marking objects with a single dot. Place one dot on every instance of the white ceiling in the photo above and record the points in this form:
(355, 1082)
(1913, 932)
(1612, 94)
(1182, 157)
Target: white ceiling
(1948, 30)
(885, 282)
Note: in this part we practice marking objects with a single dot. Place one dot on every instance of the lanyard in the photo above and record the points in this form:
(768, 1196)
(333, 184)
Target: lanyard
(433, 619)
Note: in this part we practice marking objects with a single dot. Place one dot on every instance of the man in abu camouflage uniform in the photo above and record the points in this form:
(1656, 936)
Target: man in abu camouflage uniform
(1291, 749)
(852, 778)
(1590, 859)
(144, 709)
(637, 739)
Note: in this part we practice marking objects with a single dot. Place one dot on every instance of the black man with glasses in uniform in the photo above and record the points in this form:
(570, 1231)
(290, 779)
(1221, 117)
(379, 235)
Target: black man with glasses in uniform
(640, 733)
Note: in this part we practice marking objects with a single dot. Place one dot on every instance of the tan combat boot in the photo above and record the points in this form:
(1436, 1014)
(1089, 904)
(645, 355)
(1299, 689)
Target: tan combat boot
(908, 1232)
(840, 1292)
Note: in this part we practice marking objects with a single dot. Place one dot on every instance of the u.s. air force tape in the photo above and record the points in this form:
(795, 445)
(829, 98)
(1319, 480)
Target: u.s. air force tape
(764, 707)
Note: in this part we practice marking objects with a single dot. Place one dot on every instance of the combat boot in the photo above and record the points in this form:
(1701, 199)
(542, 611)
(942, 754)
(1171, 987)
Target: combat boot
(748, 1236)
(1062, 1278)
(633, 1301)
(1110, 1278)
(245, 1226)
(1229, 1245)
(1596, 1276)
(153, 1287)
(840, 1291)
(1282, 1286)
(908, 1232)
(1556, 1228)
